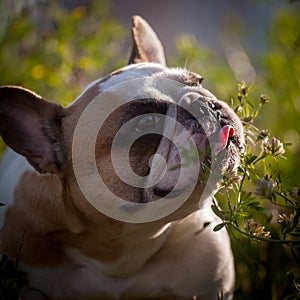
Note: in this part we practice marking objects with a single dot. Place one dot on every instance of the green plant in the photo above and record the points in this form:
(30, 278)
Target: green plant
(257, 205)
(11, 280)
(261, 210)
(59, 56)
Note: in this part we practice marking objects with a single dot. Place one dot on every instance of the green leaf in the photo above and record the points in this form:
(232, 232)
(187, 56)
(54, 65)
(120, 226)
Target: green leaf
(219, 227)
(295, 234)
(296, 219)
(255, 205)
(243, 214)
(250, 158)
(252, 204)
(218, 212)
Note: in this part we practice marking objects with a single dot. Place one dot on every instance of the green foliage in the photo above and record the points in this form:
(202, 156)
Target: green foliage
(60, 54)
(260, 206)
(197, 58)
(11, 280)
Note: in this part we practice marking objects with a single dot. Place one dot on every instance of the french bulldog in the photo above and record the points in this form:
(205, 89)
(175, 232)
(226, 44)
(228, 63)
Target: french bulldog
(110, 197)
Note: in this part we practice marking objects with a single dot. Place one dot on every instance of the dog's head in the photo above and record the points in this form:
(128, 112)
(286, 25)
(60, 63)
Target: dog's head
(145, 134)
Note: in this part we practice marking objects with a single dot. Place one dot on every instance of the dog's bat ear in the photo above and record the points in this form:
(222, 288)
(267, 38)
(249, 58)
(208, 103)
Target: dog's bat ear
(31, 126)
(146, 45)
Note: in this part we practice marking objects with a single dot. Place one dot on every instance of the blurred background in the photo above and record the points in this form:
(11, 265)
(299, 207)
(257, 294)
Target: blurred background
(56, 48)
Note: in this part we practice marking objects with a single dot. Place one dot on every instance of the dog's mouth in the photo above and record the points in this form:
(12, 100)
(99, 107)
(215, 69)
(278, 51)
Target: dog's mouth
(168, 194)
(155, 194)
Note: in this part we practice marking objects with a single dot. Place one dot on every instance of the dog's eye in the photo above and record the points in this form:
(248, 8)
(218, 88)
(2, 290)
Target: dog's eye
(146, 122)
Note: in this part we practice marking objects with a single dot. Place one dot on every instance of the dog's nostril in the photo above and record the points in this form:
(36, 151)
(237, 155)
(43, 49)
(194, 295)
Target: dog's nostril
(161, 192)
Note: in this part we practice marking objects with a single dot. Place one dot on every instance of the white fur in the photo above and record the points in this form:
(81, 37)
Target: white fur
(131, 72)
(12, 166)
(127, 73)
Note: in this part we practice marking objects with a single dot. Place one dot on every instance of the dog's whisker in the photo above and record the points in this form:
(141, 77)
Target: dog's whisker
(186, 62)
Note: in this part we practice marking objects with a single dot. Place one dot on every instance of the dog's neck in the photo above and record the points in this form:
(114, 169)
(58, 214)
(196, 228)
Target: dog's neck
(111, 242)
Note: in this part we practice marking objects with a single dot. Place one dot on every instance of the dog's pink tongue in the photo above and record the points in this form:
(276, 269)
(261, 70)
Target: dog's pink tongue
(224, 134)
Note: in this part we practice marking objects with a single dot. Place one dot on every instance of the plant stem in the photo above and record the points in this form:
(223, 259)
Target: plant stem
(286, 198)
(260, 238)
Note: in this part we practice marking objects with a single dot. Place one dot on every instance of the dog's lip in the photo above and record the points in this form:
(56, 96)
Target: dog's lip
(168, 194)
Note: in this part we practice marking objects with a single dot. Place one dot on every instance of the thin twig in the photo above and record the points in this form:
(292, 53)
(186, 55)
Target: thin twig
(20, 248)
(287, 242)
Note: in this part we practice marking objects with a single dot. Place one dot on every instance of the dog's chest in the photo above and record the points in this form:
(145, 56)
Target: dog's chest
(186, 251)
